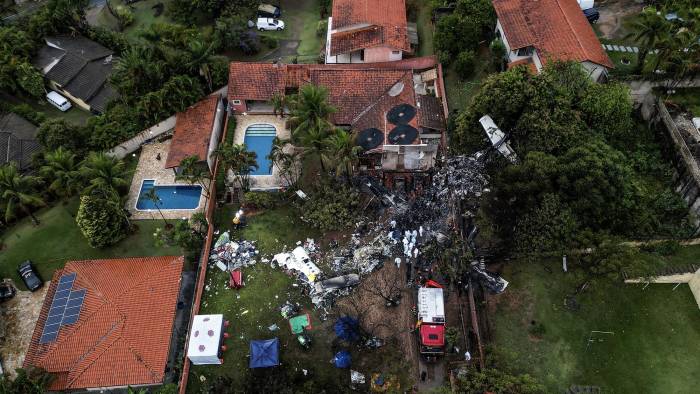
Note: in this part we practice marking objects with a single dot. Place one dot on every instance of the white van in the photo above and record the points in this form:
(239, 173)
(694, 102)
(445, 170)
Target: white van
(58, 101)
(269, 24)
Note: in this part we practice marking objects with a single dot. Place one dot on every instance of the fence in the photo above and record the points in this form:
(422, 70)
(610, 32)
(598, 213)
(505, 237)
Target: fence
(120, 151)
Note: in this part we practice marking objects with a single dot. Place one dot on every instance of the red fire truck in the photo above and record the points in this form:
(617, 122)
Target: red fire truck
(431, 320)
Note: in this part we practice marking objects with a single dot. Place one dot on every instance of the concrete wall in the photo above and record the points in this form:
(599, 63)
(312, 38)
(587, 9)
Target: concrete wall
(382, 54)
(216, 133)
(695, 287)
(132, 145)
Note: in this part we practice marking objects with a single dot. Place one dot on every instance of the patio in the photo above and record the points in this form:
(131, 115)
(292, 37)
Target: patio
(151, 166)
(262, 182)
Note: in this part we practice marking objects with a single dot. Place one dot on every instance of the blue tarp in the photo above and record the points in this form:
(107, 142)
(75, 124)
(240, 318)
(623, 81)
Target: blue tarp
(342, 359)
(347, 328)
(264, 353)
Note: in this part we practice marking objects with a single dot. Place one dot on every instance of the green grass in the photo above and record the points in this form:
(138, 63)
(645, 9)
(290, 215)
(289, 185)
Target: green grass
(74, 115)
(653, 349)
(425, 30)
(688, 98)
(301, 19)
(57, 239)
(144, 15)
(254, 308)
(460, 91)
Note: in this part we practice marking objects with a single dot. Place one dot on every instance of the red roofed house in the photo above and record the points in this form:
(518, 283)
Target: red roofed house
(107, 323)
(538, 31)
(367, 31)
(197, 132)
(396, 110)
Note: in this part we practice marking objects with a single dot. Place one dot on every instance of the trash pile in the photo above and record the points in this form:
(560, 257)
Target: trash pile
(231, 255)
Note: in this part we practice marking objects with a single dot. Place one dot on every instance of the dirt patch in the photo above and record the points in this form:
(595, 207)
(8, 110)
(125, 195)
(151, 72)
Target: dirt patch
(17, 319)
(612, 12)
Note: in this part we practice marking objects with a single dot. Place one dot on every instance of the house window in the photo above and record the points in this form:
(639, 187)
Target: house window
(527, 51)
(395, 52)
(236, 102)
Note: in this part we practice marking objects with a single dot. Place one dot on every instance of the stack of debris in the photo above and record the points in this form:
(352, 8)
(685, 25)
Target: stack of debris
(231, 255)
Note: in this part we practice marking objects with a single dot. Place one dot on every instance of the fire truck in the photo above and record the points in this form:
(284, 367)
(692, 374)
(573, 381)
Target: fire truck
(431, 320)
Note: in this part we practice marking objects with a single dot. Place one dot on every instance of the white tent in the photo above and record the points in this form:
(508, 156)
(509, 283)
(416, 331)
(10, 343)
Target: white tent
(298, 260)
(205, 339)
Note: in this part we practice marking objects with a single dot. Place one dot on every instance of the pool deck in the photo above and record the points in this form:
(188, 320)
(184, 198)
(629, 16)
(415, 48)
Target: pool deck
(262, 182)
(150, 167)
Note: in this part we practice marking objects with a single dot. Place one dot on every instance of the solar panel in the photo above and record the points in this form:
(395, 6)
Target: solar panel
(65, 307)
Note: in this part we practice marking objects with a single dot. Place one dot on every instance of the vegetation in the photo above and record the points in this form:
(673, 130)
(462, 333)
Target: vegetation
(463, 30)
(19, 193)
(465, 64)
(496, 381)
(101, 221)
(578, 172)
(28, 381)
(62, 169)
(237, 159)
(331, 206)
(260, 200)
(188, 235)
(193, 171)
(287, 159)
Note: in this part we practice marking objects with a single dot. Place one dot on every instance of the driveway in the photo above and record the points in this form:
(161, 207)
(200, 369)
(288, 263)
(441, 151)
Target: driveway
(612, 13)
(299, 37)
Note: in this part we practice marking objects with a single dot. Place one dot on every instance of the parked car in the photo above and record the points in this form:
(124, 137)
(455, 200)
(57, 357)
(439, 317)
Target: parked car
(7, 291)
(269, 24)
(30, 276)
(592, 15)
(269, 11)
(58, 101)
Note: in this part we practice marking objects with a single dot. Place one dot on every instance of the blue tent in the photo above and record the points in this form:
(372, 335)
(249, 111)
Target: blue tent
(347, 328)
(264, 353)
(342, 359)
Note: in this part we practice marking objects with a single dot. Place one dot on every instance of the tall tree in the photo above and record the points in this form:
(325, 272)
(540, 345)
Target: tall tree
(314, 142)
(193, 171)
(19, 192)
(104, 173)
(152, 196)
(648, 30)
(239, 160)
(311, 111)
(201, 59)
(62, 171)
(287, 162)
(342, 152)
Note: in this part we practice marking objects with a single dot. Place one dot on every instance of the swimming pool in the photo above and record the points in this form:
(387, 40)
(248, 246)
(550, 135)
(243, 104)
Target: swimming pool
(170, 196)
(258, 139)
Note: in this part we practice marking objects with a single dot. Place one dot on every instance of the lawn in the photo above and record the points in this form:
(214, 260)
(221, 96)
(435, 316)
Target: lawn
(301, 19)
(425, 29)
(688, 98)
(254, 308)
(57, 239)
(74, 115)
(144, 16)
(460, 91)
(653, 348)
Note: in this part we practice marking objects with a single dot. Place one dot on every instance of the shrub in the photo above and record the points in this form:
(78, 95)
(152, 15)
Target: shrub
(57, 133)
(332, 206)
(101, 221)
(260, 200)
(465, 64)
(268, 41)
(27, 112)
(498, 54)
(321, 28)
(663, 248)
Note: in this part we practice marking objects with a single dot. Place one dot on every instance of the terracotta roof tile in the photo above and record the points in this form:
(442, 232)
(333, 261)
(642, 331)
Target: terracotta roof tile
(255, 81)
(122, 336)
(556, 28)
(369, 23)
(192, 132)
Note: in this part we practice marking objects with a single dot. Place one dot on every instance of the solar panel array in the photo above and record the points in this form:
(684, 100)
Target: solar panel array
(65, 307)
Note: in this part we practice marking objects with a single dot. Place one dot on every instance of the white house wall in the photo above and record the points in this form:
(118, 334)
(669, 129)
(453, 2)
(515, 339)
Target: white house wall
(215, 133)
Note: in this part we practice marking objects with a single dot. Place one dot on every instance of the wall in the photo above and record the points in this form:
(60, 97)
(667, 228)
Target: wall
(596, 71)
(382, 54)
(132, 145)
(237, 108)
(216, 133)
(695, 287)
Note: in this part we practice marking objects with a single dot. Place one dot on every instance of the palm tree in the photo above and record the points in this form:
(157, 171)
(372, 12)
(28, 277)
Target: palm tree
(192, 171)
(278, 103)
(284, 161)
(314, 142)
(311, 111)
(104, 172)
(152, 196)
(200, 59)
(238, 159)
(649, 30)
(341, 150)
(61, 169)
(19, 191)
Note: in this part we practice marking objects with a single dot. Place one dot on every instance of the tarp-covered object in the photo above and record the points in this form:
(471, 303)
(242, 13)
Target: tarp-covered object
(205, 339)
(264, 353)
(342, 359)
(347, 328)
(300, 323)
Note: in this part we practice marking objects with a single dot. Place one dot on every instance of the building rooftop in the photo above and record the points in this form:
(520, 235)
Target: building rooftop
(17, 141)
(192, 134)
(362, 24)
(556, 28)
(121, 321)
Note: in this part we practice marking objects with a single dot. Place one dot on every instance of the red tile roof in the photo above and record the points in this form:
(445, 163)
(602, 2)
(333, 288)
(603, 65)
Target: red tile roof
(556, 28)
(122, 336)
(192, 132)
(527, 62)
(368, 23)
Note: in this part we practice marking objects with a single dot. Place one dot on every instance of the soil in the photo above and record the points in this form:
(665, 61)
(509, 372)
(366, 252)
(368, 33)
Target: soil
(611, 14)
(17, 319)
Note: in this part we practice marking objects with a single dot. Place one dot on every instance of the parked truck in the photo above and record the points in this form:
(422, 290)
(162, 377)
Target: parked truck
(431, 322)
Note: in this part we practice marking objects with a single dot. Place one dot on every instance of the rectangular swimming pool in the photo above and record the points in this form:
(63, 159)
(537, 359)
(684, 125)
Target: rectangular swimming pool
(170, 196)
(258, 139)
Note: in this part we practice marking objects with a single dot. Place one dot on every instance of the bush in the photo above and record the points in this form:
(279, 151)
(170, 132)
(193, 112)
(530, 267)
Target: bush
(321, 28)
(663, 248)
(268, 41)
(101, 221)
(465, 64)
(259, 200)
(498, 54)
(332, 206)
(111, 39)
(57, 133)
(27, 112)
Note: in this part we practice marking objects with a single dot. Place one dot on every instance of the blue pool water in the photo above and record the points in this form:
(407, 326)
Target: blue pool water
(171, 197)
(258, 139)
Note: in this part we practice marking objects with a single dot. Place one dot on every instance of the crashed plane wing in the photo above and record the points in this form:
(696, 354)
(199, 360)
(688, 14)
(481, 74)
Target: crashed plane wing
(498, 138)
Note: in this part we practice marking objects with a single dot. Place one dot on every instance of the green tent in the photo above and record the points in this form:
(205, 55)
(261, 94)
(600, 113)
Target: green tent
(298, 323)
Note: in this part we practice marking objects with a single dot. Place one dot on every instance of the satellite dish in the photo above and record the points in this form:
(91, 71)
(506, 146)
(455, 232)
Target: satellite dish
(401, 114)
(396, 89)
